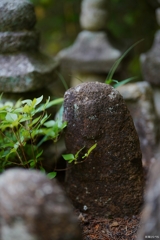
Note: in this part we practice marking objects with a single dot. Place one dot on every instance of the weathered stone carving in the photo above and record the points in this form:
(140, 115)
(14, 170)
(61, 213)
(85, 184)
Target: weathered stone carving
(110, 181)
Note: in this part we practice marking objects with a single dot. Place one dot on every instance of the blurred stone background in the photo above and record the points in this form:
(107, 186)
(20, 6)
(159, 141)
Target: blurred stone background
(128, 21)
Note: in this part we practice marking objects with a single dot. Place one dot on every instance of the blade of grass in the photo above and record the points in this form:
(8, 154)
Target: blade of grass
(116, 64)
(124, 82)
(62, 80)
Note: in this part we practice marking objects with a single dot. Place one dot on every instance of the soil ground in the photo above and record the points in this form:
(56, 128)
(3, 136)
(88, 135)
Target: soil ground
(109, 229)
(96, 228)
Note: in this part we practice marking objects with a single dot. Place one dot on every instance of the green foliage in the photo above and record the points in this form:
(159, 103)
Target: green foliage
(23, 128)
(74, 158)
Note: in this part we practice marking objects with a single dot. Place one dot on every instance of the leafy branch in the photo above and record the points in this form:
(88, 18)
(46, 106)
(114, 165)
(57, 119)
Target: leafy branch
(74, 158)
(24, 127)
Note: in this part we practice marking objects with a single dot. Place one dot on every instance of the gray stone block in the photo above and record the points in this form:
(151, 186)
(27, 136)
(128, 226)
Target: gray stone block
(150, 62)
(22, 72)
(19, 41)
(91, 52)
(93, 15)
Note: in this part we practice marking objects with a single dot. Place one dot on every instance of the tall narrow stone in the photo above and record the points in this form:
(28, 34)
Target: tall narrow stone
(110, 181)
(32, 207)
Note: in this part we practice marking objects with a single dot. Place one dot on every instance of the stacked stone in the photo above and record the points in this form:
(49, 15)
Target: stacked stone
(140, 102)
(94, 15)
(91, 56)
(150, 63)
(32, 207)
(23, 68)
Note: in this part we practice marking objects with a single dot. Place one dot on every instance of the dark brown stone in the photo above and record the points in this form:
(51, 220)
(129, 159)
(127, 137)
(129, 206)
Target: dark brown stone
(32, 207)
(110, 181)
(150, 220)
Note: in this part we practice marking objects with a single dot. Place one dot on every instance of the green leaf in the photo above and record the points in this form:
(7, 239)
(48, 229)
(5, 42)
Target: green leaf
(38, 100)
(32, 163)
(11, 117)
(92, 148)
(68, 157)
(44, 119)
(54, 102)
(76, 156)
(124, 82)
(27, 101)
(42, 170)
(49, 123)
(89, 151)
(10, 152)
(26, 109)
(62, 80)
(39, 154)
(110, 81)
(16, 145)
(51, 175)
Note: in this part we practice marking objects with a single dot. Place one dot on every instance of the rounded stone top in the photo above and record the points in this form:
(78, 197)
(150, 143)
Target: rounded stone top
(16, 15)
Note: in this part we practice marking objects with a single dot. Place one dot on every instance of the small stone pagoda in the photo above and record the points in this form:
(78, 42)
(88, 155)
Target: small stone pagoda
(91, 56)
(23, 68)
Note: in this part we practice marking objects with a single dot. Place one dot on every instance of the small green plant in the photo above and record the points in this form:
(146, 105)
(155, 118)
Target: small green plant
(116, 83)
(24, 127)
(74, 158)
